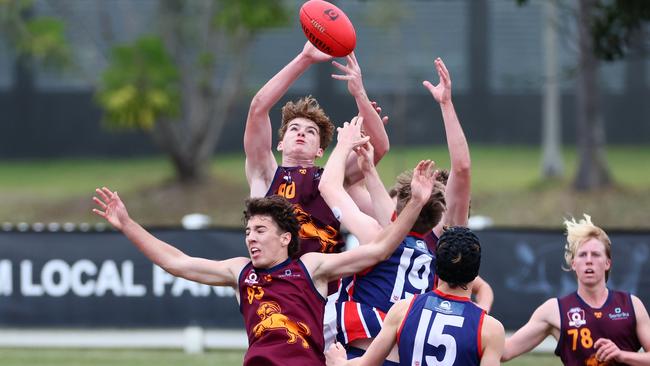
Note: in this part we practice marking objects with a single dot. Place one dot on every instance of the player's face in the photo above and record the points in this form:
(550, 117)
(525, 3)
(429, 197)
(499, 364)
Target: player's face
(301, 140)
(266, 244)
(590, 262)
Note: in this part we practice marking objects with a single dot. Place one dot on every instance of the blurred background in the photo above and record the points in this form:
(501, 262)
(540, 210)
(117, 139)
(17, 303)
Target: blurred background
(149, 97)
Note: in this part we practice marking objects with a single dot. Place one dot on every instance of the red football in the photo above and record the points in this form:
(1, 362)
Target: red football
(328, 28)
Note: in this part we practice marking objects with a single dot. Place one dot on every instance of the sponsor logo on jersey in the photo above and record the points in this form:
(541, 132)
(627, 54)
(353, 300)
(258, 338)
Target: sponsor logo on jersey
(598, 314)
(251, 279)
(421, 244)
(290, 274)
(444, 306)
(618, 314)
(576, 317)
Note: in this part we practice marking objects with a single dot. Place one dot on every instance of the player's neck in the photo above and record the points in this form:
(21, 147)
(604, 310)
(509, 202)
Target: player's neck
(455, 291)
(288, 161)
(594, 296)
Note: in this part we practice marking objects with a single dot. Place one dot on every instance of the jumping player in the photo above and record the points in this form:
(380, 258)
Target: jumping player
(594, 325)
(305, 133)
(442, 327)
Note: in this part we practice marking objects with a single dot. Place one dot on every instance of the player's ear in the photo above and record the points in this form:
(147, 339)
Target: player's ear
(285, 238)
(279, 148)
(319, 153)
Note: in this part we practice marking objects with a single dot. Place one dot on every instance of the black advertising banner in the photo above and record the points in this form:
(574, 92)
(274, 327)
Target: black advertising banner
(99, 279)
(525, 269)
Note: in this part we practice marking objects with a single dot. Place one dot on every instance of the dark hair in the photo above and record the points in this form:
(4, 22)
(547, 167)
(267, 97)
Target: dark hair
(281, 212)
(307, 107)
(431, 212)
(458, 256)
(442, 176)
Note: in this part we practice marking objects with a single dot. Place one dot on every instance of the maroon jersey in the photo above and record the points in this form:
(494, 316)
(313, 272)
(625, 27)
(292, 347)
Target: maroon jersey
(582, 325)
(319, 229)
(283, 315)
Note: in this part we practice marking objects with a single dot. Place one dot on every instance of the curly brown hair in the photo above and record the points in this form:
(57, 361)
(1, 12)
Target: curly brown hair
(308, 108)
(281, 212)
(431, 212)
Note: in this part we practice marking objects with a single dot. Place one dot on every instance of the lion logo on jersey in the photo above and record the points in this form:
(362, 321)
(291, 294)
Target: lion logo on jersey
(308, 230)
(592, 361)
(272, 319)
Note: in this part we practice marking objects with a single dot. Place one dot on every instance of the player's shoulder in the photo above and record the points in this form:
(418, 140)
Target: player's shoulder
(492, 327)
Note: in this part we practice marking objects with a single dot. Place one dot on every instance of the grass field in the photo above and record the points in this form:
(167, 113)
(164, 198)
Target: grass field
(72, 357)
(506, 184)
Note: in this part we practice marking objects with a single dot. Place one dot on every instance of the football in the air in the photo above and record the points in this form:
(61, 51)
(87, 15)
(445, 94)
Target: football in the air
(328, 28)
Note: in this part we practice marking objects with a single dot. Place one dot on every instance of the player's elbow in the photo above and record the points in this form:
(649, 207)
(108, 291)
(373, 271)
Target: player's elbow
(462, 167)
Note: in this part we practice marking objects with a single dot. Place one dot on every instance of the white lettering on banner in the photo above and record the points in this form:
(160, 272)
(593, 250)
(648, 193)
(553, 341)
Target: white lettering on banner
(160, 279)
(52, 269)
(58, 278)
(80, 268)
(27, 287)
(6, 278)
(109, 279)
(131, 289)
(179, 285)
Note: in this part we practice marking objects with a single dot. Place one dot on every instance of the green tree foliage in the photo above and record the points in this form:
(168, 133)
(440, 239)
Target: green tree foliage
(140, 85)
(39, 38)
(172, 84)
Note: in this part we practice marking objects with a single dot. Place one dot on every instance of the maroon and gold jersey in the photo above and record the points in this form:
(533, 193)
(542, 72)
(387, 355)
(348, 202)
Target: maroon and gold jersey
(283, 315)
(581, 326)
(319, 229)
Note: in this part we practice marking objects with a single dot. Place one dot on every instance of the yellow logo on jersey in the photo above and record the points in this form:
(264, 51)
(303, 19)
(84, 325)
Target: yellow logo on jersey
(254, 293)
(272, 318)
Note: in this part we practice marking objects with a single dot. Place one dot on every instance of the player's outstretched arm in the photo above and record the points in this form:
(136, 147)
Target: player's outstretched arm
(607, 351)
(169, 258)
(458, 189)
(327, 267)
(380, 201)
(542, 323)
(331, 188)
(258, 135)
(380, 347)
(492, 337)
(483, 293)
(374, 124)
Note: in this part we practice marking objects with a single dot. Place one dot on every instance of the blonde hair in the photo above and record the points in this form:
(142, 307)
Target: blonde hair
(578, 232)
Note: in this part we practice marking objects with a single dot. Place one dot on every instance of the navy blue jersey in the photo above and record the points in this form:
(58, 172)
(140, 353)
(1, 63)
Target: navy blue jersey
(441, 329)
(366, 297)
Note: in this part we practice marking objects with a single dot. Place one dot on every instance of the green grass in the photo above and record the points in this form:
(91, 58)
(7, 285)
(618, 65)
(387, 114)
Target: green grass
(505, 185)
(93, 357)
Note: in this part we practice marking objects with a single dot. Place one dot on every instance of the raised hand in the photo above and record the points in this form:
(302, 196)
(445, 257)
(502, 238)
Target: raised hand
(441, 92)
(111, 207)
(365, 154)
(314, 54)
(352, 73)
(349, 136)
(377, 108)
(423, 180)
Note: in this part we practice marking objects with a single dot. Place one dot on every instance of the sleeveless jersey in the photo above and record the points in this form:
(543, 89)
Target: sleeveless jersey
(366, 297)
(319, 228)
(441, 329)
(581, 326)
(283, 315)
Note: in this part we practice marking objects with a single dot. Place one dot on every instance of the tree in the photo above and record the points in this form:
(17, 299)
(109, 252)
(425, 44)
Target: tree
(175, 84)
(605, 29)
